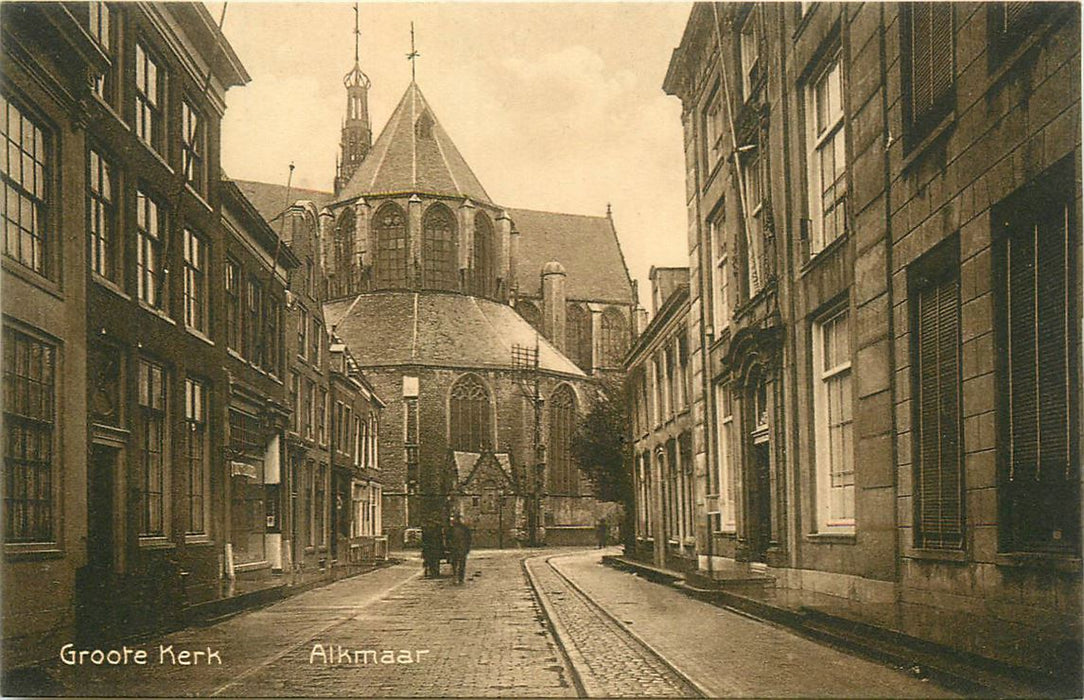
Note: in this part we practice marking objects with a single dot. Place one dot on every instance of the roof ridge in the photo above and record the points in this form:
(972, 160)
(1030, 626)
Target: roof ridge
(557, 213)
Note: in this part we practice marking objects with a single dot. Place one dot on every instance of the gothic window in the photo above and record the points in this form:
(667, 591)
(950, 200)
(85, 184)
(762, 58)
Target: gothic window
(563, 475)
(614, 339)
(391, 247)
(485, 256)
(530, 314)
(344, 254)
(578, 334)
(468, 410)
(439, 249)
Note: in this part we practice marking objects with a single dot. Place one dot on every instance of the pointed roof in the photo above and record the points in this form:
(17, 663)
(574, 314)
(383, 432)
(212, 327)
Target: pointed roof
(414, 154)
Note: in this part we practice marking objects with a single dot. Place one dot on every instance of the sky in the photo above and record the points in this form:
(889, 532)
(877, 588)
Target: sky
(557, 106)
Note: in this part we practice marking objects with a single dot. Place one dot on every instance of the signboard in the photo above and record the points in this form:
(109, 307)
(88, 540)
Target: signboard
(243, 469)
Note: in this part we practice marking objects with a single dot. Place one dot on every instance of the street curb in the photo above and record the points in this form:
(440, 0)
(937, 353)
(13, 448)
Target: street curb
(558, 632)
(704, 692)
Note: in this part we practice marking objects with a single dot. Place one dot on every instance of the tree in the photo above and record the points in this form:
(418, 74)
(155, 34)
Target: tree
(603, 450)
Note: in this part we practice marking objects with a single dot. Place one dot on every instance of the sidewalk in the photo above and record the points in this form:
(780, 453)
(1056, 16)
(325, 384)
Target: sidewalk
(878, 631)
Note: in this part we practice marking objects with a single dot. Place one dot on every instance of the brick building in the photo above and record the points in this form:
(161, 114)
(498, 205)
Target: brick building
(658, 389)
(871, 191)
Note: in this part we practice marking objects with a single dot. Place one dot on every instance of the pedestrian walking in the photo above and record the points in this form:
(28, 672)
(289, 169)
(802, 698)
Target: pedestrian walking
(459, 546)
(601, 532)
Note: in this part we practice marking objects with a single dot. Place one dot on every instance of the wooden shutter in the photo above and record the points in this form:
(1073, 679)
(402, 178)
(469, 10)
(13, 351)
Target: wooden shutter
(938, 484)
(931, 64)
(1038, 331)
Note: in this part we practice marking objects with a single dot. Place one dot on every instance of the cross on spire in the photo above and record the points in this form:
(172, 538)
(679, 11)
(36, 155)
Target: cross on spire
(357, 33)
(413, 55)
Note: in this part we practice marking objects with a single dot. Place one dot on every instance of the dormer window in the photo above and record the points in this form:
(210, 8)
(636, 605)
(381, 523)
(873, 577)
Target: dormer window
(423, 128)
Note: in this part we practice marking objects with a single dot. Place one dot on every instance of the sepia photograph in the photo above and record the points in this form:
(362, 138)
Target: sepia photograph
(524, 349)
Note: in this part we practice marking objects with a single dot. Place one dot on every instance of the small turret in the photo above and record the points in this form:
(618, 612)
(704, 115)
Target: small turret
(357, 132)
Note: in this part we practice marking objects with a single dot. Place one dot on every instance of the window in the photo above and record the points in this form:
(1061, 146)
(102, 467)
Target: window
(308, 497)
(251, 329)
(720, 302)
(321, 503)
(273, 335)
(26, 171)
(681, 376)
(688, 499)
(578, 332)
(30, 438)
(929, 50)
(149, 90)
(728, 473)
(153, 443)
(308, 413)
(484, 263)
(102, 215)
(935, 348)
(321, 417)
(753, 180)
(310, 278)
(150, 222)
(317, 341)
(295, 401)
(195, 281)
(193, 156)
(411, 436)
(714, 128)
(614, 338)
(658, 404)
(302, 331)
(1009, 23)
(345, 230)
(359, 440)
(101, 28)
(827, 158)
(469, 415)
(671, 389)
(374, 435)
(441, 266)
(833, 413)
(563, 474)
(1037, 327)
(749, 41)
(233, 305)
(391, 263)
(196, 455)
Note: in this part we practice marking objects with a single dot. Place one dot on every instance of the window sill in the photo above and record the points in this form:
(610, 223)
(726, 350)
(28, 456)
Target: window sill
(929, 554)
(936, 134)
(831, 537)
(157, 312)
(17, 269)
(235, 355)
(198, 197)
(251, 566)
(726, 534)
(1066, 563)
(156, 155)
(196, 333)
(155, 542)
(32, 551)
(198, 540)
(828, 251)
(110, 285)
(104, 104)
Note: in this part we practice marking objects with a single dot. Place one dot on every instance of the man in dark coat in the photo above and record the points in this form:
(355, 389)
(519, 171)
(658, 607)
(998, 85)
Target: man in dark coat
(458, 547)
(432, 549)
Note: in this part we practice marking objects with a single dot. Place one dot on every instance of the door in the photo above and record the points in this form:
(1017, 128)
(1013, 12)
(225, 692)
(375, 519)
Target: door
(97, 583)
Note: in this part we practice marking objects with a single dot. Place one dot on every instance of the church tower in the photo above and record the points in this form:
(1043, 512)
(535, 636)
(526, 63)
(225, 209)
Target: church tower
(357, 134)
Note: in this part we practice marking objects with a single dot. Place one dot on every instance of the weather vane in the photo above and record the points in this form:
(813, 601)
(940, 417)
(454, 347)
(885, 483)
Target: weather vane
(357, 33)
(413, 55)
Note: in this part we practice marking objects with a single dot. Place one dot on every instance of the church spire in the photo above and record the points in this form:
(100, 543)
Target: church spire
(357, 133)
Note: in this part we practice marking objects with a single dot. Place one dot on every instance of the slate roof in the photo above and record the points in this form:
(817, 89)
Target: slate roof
(414, 154)
(586, 246)
(437, 329)
(270, 200)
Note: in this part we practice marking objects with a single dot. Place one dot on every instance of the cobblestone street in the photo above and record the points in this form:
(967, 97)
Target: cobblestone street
(393, 633)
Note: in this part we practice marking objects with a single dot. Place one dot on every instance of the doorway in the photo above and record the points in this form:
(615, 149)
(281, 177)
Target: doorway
(97, 581)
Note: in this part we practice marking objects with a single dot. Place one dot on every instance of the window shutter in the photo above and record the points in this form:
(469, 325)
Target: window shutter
(939, 487)
(931, 56)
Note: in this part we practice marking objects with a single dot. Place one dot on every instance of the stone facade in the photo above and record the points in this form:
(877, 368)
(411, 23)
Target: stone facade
(858, 205)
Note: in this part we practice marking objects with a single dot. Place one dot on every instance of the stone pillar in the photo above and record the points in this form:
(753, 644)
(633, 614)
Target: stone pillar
(326, 234)
(504, 245)
(513, 260)
(414, 238)
(466, 243)
(553, 303)
(362, 212)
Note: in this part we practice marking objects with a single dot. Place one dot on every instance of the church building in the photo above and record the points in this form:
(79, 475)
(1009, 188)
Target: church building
(487, 330)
